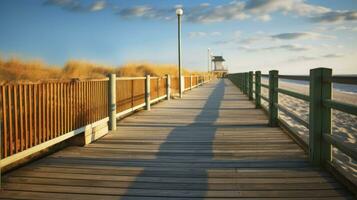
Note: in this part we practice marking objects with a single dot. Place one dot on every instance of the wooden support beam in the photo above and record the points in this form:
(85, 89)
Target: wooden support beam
(191, 82)
(147, 92)
(112, 102)
(257, 89)
(319, 116)
(250, 85)
(273, 98)
(168, 87)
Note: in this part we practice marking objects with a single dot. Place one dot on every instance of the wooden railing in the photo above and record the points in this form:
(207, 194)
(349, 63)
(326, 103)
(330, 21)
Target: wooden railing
(321, 139)
(130, 92)
(35, 116)
(33, 113)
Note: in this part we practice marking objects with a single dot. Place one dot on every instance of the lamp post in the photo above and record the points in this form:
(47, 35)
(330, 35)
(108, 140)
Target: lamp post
(209, 60)
(179, 13)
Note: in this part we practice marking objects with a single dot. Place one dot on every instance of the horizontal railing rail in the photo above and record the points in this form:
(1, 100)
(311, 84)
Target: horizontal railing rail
(320, 102)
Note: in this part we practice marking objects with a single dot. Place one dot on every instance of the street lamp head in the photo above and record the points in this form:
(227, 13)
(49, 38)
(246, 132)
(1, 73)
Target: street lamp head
(179, 11)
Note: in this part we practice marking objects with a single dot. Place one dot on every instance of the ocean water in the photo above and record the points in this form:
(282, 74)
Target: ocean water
(347, 88)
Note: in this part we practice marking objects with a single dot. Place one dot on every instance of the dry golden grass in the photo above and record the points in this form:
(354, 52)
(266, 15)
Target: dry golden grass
(15, 69)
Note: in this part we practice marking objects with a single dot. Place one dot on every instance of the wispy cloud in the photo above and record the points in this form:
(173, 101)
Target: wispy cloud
(333, 55)
(300, 35)
(201, 34)
(335, 17)
(257, 9)
(309, 58)
(286, 47)
(98, 5)
(77, 6)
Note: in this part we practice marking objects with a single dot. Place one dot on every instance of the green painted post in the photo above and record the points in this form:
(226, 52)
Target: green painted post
(250, 87)
(273, 97)
(257, 89)
(246, 82)
(243, 83)
(319, 116)
(240, 81)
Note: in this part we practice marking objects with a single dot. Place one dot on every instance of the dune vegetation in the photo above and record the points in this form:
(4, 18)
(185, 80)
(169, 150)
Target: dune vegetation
(15, 69)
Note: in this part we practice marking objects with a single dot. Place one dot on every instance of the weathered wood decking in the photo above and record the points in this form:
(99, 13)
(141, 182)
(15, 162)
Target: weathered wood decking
(211, 144)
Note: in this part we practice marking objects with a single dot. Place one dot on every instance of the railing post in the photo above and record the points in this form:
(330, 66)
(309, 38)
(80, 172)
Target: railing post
(257, 89)
(182, 85)
(250, 93)
(168, 87)
(319, 116)
(147, 92)
(273, 97)
(191, 82)
(112, 102)
(246, 75)
(243, 83)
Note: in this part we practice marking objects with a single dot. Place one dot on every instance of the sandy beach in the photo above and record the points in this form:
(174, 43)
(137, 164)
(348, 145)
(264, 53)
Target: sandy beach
(343, 124)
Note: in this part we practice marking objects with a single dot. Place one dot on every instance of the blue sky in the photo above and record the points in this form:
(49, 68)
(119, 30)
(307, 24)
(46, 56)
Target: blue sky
(289, 35)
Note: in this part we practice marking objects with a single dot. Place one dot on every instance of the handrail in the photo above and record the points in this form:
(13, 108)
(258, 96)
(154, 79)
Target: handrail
(295, 77)
(346, 148)
(294, 94)
(344, 107)
(264, 85)
(293, 115)
(352, 80)
(321, 103)
(131, 78)
(264, 98)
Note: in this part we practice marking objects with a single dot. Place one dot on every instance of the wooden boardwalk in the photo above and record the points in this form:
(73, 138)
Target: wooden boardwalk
(212, 144)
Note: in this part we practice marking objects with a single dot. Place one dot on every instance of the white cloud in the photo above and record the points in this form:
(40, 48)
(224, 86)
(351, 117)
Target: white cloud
(335, 17)
(286, 47)
(306, 58)
(261, 9)
(301, 35)
(98, 5)
(77, 6)
(264, 18)
(200, 34)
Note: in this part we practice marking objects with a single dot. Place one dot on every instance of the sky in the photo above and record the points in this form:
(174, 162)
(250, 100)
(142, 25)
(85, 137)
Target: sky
(291, 36)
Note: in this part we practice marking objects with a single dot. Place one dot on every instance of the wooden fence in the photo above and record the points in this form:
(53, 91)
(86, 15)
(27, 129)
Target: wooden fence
(321, 139)
(36, 116)
(34, 113)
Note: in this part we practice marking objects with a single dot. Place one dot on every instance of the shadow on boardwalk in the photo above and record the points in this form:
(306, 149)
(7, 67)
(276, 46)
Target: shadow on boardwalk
(206, 118)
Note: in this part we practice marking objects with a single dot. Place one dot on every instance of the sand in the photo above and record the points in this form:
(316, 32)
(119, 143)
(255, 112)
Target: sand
(343, 124)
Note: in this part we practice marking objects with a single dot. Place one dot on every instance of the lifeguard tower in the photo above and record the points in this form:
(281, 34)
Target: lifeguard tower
(219, 70)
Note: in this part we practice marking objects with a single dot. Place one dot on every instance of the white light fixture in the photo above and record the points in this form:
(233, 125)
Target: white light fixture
(179, 11)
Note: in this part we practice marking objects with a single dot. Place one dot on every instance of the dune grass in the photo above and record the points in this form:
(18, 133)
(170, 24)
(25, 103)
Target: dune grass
(15, 69)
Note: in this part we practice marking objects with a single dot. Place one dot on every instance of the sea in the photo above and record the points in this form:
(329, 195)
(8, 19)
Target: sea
(347, 88)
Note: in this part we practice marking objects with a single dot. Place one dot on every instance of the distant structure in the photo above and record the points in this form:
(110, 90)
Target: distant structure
(219, 69)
